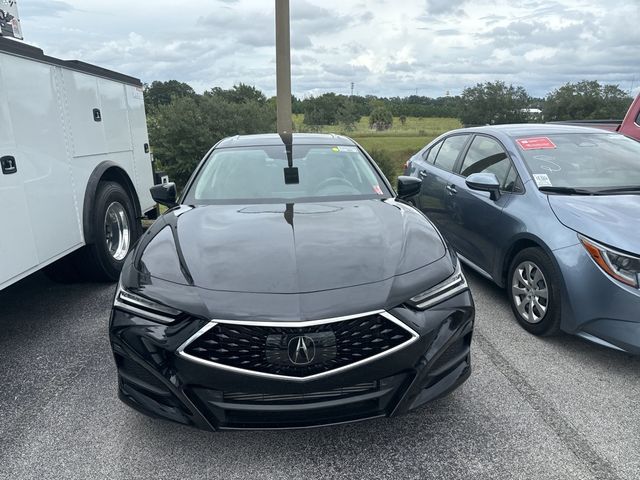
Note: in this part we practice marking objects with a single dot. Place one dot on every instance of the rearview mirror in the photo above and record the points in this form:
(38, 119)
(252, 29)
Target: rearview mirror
(408, 187)
(165, 194)
(484, 182)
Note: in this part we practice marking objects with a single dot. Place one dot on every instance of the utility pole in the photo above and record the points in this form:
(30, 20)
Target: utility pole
(283, 67)
(283, 87)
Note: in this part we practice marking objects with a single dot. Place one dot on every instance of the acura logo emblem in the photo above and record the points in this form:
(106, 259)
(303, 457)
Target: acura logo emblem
(302, 350)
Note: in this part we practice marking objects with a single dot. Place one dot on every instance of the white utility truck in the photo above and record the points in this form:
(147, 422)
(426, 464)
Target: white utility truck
(75, 166)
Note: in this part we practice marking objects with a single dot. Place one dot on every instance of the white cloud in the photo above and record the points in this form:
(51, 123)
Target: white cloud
(386, 47)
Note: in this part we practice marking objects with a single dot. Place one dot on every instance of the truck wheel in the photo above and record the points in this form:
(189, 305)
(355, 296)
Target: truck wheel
(534, 292)
(116, 229)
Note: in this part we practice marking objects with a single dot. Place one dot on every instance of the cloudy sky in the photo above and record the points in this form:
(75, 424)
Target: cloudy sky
(386, 47)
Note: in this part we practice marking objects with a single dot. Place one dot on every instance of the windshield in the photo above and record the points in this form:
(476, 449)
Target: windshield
(256, 174)
(592, 161)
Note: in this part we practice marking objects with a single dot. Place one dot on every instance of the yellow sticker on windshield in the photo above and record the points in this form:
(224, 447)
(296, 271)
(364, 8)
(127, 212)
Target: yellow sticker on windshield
(345, 149)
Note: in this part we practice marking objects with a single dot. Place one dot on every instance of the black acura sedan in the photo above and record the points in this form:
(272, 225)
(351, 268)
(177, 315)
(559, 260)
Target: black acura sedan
(289, 286)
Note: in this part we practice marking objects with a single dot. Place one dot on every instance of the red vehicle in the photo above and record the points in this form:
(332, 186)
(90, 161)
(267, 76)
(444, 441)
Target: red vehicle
(630, 126)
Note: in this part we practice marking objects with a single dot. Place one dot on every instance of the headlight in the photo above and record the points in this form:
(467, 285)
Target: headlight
(144, 307)
(452, 286)
(621, 266)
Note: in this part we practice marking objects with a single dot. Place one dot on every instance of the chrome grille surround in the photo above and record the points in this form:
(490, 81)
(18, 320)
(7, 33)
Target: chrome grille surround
(413, 336)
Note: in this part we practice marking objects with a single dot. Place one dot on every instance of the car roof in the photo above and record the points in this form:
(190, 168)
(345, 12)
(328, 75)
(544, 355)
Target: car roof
(275, 140)
(522, 129)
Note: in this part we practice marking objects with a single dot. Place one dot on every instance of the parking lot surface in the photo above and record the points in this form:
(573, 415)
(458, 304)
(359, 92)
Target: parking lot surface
(556, 408)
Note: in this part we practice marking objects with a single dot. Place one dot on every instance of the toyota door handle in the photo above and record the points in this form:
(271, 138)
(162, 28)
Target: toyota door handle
(452, 190)
(423, 173)
(8, 165)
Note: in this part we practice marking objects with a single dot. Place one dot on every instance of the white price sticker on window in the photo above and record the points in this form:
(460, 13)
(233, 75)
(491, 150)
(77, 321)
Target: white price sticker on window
(542, 180)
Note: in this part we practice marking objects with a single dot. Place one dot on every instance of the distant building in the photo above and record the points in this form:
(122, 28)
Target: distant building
(533, 114)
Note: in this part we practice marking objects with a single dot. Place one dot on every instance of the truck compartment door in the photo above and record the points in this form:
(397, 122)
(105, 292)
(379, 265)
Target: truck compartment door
(17, 248)
(41, 155)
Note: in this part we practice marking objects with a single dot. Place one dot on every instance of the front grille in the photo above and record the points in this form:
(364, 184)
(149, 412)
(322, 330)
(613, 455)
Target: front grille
(285, 398)
(299, 352)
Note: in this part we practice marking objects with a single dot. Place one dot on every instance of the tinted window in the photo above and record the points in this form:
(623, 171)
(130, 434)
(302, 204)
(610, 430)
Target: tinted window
(582, 160)
(638, 119)
(486, 155)
(430, 155)
(449, 151)
(257, 174)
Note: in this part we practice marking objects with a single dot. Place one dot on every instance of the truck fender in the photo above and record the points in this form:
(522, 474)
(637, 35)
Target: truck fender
(106, 170)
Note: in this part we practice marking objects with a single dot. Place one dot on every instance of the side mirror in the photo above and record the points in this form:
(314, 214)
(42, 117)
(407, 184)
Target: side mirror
(165, 194)
(484, 182)
(408, 187)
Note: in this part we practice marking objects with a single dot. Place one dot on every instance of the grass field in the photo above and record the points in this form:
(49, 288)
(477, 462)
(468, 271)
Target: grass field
(391, 148)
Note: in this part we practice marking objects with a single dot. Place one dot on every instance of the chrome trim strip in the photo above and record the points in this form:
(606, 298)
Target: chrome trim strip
(181, 350)
(310, 323)
(303, 427)
(598, 341)
(475, 267)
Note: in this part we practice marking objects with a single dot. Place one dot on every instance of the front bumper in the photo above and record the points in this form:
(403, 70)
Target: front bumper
(597, 307)
(157, 381)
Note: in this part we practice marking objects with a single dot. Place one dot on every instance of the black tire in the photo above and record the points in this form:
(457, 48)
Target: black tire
(531, 270)
(97, 260)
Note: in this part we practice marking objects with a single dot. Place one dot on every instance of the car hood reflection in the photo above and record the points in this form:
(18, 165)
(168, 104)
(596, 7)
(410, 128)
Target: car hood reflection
(301, 248)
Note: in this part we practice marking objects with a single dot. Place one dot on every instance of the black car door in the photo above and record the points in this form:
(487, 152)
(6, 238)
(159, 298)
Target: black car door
(475, 221)
(435, 171)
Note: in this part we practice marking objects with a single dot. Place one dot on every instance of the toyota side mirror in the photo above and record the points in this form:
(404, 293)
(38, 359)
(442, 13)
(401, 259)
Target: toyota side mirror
(165, 194)
(408, 187)
(484, 182)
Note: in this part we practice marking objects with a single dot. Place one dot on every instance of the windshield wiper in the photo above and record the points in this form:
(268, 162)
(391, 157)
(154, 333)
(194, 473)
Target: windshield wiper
(567, 190)
(629, 189)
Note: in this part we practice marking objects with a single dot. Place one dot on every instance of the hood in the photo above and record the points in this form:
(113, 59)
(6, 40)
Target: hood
(290, 249)
(607, 219)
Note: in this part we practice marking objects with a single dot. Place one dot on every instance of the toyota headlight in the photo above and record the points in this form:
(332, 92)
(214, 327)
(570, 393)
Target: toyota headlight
(452, 286)
(144, 307)
(621, 266)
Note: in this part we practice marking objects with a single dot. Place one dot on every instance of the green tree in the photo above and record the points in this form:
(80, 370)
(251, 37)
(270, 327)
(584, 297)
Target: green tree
(331, 109)
(347, 115)
(240, 93)
(586, 100)
(182, 131)
(386, 163)
(161, 93)
(321, 110)
(381, 119)
(493, 103)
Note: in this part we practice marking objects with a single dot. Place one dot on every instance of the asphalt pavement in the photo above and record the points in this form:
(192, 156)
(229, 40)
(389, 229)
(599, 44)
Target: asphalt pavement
(533, 408)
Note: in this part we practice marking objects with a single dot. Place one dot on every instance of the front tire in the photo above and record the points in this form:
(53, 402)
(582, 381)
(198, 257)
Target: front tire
(534, 292)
